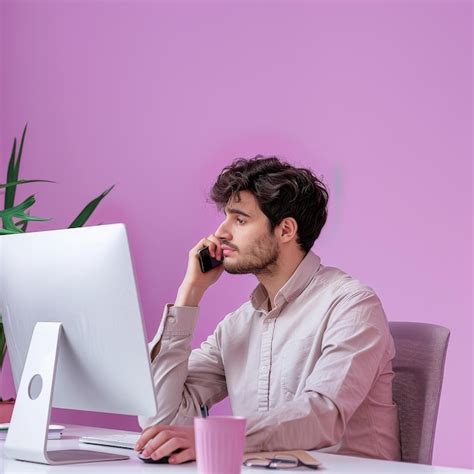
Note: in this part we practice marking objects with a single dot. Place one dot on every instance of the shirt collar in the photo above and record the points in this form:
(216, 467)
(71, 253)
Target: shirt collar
(292, 288)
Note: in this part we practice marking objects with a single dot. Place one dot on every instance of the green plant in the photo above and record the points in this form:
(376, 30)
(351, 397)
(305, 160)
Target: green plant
(15, 218)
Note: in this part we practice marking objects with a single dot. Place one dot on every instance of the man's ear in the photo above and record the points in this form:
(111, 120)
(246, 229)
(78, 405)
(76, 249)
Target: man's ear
(287, 229)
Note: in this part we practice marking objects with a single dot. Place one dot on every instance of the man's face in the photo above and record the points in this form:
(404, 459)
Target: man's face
(247, 243)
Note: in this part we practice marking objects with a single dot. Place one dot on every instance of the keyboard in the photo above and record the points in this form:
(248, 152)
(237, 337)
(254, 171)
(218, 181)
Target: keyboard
(122, 440)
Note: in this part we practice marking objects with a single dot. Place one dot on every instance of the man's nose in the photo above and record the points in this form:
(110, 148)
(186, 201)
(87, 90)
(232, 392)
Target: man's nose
(222, 232)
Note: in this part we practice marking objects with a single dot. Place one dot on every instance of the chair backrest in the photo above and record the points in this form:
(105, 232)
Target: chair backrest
(419, 367)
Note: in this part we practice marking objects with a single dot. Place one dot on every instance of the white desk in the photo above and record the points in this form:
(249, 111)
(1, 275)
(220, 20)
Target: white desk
(331, 463)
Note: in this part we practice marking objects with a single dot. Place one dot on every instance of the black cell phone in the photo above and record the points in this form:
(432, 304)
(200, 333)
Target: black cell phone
(206, 261)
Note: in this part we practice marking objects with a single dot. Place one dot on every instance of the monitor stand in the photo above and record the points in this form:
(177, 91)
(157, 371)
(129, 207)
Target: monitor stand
(28, 432)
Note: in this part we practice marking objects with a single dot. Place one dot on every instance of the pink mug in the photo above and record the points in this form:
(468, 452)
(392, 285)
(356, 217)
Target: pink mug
(220, 442)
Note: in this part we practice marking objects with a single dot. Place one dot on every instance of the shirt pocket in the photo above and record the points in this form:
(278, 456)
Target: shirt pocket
(297, 363)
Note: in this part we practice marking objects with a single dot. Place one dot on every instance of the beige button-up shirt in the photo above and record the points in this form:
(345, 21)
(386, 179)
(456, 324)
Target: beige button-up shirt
(315, 372)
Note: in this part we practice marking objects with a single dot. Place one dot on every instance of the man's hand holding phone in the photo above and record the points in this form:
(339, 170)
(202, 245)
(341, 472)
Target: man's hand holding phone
(196, 282)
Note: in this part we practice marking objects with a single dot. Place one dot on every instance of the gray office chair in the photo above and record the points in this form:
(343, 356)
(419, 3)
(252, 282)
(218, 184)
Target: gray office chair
(418, 366)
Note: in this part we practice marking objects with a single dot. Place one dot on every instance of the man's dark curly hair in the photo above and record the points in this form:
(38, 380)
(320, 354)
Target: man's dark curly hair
(281, 191)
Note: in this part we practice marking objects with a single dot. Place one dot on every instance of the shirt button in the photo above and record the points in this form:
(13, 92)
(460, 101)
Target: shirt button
(171, 319)
(264, 368)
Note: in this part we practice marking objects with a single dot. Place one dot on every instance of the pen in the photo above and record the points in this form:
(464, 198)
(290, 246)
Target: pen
(204, 410)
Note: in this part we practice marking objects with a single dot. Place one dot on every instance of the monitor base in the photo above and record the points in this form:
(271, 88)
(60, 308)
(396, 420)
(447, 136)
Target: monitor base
(73, 456)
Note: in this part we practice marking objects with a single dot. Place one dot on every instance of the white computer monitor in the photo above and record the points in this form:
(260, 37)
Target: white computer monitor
(69, 297)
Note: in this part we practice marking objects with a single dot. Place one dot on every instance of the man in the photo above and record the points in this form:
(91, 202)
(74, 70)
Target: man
(307, 360)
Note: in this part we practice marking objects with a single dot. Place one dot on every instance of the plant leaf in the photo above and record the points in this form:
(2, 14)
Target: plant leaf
(10, 193)
(8, 232)
(11, 211)
(14, 170)
(28, 218)
(23, 224)
(25, 181)
(18, 212)
(3, 343)
(81, 219)
(20, 151)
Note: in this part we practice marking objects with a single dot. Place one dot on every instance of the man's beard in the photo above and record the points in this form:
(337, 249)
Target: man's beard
(259, 260)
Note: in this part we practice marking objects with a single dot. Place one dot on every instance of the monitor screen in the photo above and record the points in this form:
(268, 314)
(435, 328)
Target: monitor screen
(84, 279)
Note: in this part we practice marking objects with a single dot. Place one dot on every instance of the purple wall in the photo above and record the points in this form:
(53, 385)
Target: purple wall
(158, 96)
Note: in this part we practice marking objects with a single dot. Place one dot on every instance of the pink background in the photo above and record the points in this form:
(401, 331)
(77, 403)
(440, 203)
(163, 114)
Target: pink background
(158, 96)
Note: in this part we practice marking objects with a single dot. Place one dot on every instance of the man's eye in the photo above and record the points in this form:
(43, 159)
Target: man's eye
(240, 220)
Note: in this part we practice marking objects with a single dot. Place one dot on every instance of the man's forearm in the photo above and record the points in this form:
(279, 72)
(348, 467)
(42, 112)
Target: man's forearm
(311, 421)
(170, 352)
(183, 379)
(189, 295)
